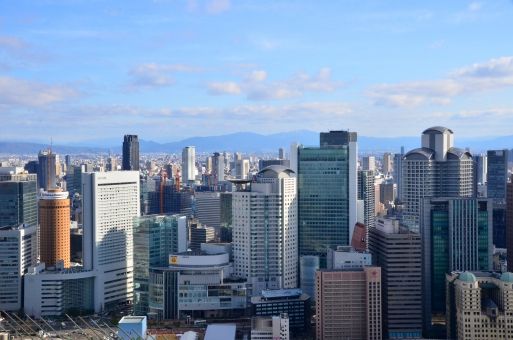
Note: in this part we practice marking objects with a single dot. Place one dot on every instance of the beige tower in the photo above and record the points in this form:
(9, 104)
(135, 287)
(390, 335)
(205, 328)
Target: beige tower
(54, 227)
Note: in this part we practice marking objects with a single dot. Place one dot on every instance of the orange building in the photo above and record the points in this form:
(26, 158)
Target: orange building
(54, 227)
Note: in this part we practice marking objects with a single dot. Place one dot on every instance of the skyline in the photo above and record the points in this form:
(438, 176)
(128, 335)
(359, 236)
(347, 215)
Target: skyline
(177, 69)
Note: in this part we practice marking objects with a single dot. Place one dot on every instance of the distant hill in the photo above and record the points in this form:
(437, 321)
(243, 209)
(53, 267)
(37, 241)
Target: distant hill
(251, 142)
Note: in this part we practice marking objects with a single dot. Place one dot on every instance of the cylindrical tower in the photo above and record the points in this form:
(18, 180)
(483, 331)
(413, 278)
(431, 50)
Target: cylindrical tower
(54, 227)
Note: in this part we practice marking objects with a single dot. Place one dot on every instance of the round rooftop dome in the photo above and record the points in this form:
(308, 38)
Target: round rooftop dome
(276, 171)
(437, 130)
(467, 277)
(507, 277)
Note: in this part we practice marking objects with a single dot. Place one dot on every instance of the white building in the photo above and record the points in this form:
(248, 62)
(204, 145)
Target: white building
(344, 257)
(270, 328)
(369, 163)
(265, 230)
(242, 168)
(18, 251)
(110, 203)
(188, 164)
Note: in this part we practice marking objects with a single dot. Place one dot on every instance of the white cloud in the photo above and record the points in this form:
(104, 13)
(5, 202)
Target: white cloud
(157, 75)
(19, 93)
(474, 6)
(217, 6)
(255, 85)
(490, 75)
(228, 87)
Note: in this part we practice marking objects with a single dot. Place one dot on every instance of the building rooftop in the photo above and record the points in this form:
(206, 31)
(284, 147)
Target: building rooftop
(467, 277)
(281, 293)
(132, 319)
(507, 277)
(437, 129)
(276, 171)
(220, 332)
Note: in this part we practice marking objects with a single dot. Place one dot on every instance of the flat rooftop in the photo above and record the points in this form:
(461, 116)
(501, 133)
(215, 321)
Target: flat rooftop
(220, 332)
(132, 319)
(281, 293)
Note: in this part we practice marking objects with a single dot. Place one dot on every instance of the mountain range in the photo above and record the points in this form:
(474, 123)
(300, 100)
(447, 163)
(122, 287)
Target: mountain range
(249, 142)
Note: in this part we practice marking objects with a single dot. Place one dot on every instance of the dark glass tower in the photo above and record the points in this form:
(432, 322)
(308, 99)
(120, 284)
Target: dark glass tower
(18, 200)
(327, 190)
(130, 152)
(497, 178)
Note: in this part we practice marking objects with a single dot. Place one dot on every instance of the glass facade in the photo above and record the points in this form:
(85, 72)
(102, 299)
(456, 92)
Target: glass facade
(155, 237)
(18, 200)
(323, 187)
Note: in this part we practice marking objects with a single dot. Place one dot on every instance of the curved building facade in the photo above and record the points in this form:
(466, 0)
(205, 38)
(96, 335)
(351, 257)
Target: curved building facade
(54, 224)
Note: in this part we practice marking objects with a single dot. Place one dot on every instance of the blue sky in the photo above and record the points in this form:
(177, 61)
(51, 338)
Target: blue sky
(170, 69)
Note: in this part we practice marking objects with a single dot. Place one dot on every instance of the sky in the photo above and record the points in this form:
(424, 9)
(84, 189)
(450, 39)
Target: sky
(79, 70)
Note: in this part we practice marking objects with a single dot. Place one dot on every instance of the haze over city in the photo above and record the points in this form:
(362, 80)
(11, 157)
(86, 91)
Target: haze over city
(168, 70)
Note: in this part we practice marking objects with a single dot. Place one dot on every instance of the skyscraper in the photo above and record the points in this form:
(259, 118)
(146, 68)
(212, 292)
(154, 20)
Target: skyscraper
(369, 163)
(130, 152)
(398, 171)
(327, 193)
(18, 199)
(509, 224)
(366, 193)
(47, 175)
(188, 164)
(437, 169)
(110, 203)
(398, 252)
(497, 178)
(54, 228)
(348, 304)
(387, 163)
(265, 230)
(456, 235)
(218, 166)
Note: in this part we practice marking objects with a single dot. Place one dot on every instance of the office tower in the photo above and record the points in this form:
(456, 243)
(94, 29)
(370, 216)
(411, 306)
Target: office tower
(308, 265)
(54, 228)
(188, 165)
(497, 178)
(398, 171)
(281, 153)
(293, 157)
(387, 163)
(348, 304)
(47, 176)
(265, 230)
(481, 168)
(369, 163)
(199, 234)
(67, 161)
(480, 305)
(270, 328)
(293, 302)
(130, 153)
(18, 251)
(345, 257)
(398, 252)
(509, 224)
(359, 239)
(242, 168)
(387, 193)
(208, 164)
(155, 237)
(218, 167)
(208, 208)
(437, 169)
(366, 193)
(110, 204)
(167, 200)
(18, 199)
(112, 164)
(456, 235)
(327, 193)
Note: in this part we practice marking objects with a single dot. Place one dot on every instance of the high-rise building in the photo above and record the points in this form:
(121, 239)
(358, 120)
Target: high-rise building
(242, 168)
(199, 234)
(265, 230)
(437, 169)
(218, 167)
(18, 251)
(130, 153)
(387, 163)
(308, 265)
(369, 163)
(110, 204)
(398, 252)
(188, 164)
(47, 175)
(497, 178)
(327, 193)
(398, 171)
(509, 224)
(456, 235)
(366, 193)
(481, 168)
(18, 199)
(281, 153)
(270, 328)
(208, 208)
(345, 257)
(348, 304)
(480, 305)
(112, 164)
(54, 228)
(155, 237)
